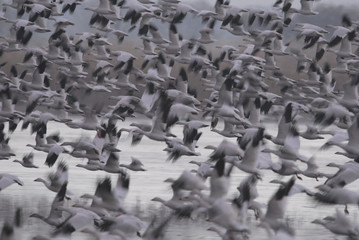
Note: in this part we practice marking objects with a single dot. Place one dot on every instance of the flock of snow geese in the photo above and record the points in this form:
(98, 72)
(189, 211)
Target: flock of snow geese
(241, 87)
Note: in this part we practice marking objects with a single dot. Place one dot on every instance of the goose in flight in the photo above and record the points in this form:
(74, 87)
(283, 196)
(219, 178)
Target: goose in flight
(290, 149)
(341, 196)
(55, 217)
(135, 165)
(346, 174)
(108, 198)
(27, 161)
(278, 202)
(339, 224)
(79, 218)
(56, 179)
(7, 179)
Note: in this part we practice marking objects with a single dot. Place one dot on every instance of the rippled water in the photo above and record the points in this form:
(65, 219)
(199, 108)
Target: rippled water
(34, 197)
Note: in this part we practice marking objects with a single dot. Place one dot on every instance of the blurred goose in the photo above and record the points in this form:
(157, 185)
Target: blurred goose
(112, 164)
(296, 188)
(204, 169)
(7, 179)
(108, 198)
(225, 148)
(79, 218)
(223, 214)
(337, 196)
(13, 231)
(135, 165)
(290, 149)
(278, 202)
(27, 161)
(339, 224)
(249, 162)
(188, 181)
(347, 173)
(56, 179)
(55, 217)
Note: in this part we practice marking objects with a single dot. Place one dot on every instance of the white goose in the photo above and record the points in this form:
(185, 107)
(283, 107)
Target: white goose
(278, 203)
(27, 161)
(339, 224)
(55, 217)
(7, 179)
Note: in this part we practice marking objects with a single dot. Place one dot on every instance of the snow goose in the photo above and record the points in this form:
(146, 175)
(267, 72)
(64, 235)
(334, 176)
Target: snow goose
(55, 217)
(176, 148)
(188, 181)
(290, 149)
(82, 144)
(311, 133)
(56, 179)
(204, 169)
(350, 135)
(234, 18)
(347, 173)
(174, 46)
(179, 202)
(277, 203)
(54, 151)
(112, 164)
(156, 35)
(223, 214)
(339, 224)
(190, 132)
(312, 170)
(284, 124)
(249, 162)
(157, 132)
(27, 161)
(229, 130)
(246, 200)
(79, 218)
(341, 34)
(127, 224)
(296, 188)
(7, 179)
(219, 181)
(108, 198)
(286, 168)
(91, 165)
(225, 148)
(206, 33)
(341, 196)
(153, 231)
(135, 165)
